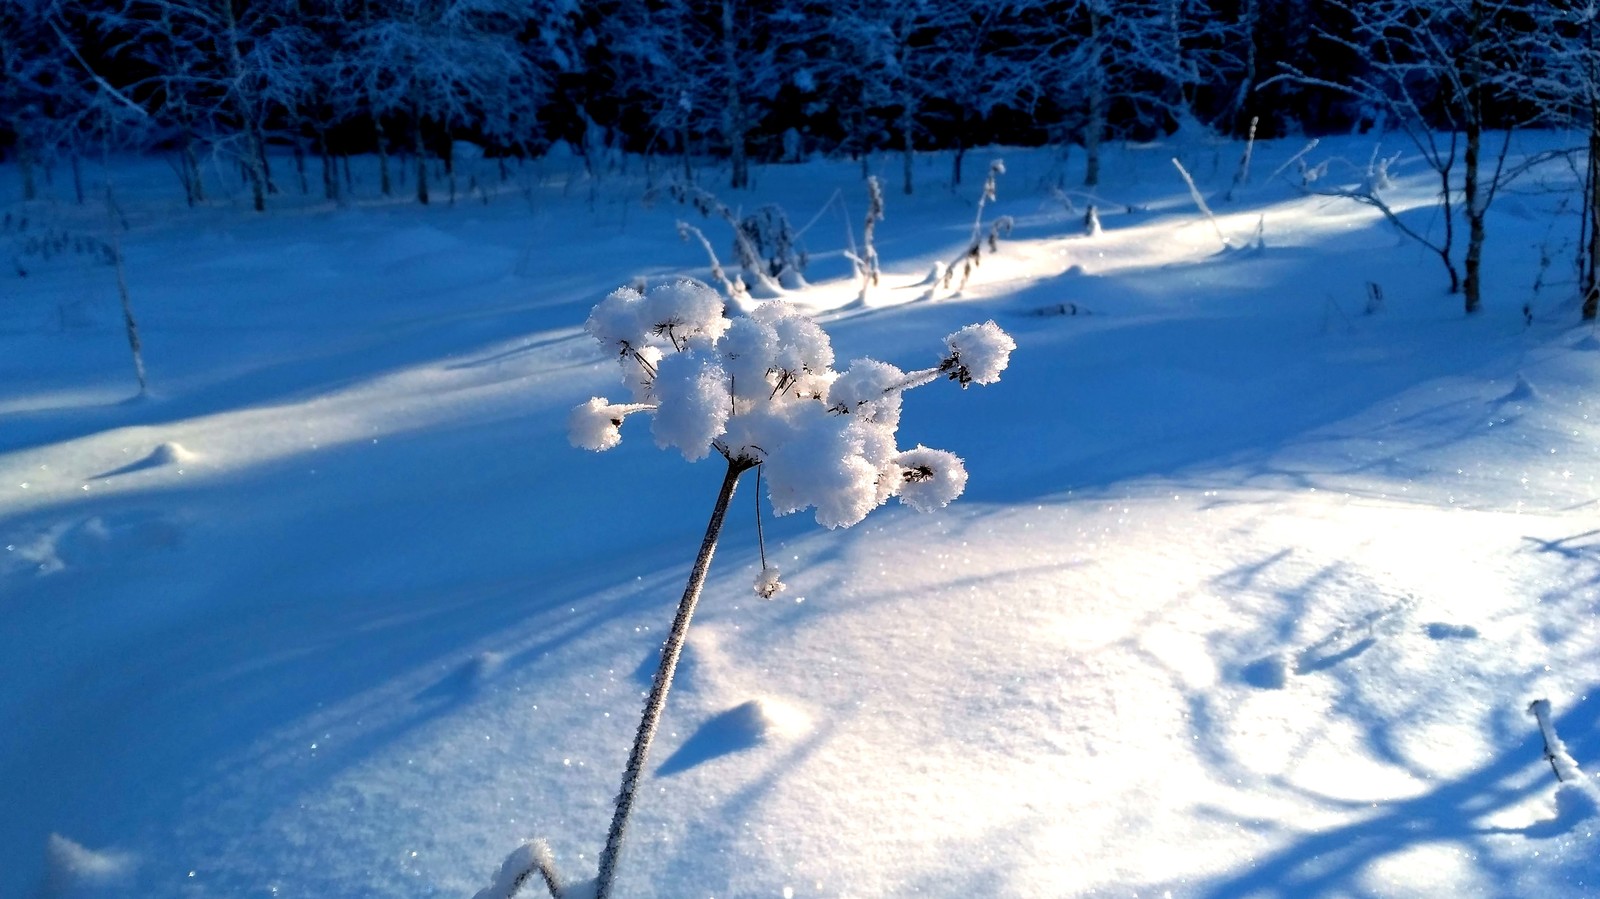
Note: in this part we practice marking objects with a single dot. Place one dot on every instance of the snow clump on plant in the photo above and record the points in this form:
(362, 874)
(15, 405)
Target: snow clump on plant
(761, 389)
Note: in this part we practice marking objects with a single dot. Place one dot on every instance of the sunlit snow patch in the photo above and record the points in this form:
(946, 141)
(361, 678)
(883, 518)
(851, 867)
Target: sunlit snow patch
(73, 870)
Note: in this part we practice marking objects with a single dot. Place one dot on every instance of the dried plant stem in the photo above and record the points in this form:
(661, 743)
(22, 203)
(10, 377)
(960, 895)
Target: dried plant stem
(1200, 201)
(1242, 176)
(129, 324)
(656, 703)
(1555, 752)
(718, 273)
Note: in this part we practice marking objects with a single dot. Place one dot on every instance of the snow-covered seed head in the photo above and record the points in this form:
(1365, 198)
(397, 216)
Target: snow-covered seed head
(684, 311)
(767, 583)
(692, 403)
(930, 478)
(977, 354)
(761, 389)
(868, 388)
(668, 316)
(597, 424)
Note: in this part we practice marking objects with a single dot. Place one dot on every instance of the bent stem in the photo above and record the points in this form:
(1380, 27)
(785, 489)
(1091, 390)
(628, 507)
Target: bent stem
(657, 701)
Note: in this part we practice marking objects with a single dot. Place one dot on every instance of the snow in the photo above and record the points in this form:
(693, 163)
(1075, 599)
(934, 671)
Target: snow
(75, 870)
(1247, 593)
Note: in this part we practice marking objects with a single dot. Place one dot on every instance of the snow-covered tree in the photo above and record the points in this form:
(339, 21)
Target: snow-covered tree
(1124, 61)
(889, 48)
(445, 64)
(51, 102)
(700, 72)
(214, 69)
(24, 67)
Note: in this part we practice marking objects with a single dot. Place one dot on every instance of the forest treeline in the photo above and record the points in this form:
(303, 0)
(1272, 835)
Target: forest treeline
(740, 81)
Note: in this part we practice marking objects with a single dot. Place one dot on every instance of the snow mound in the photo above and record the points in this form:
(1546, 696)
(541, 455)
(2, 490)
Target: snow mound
(748, 725)
(170, 454)
(524, 867)
(1589, 342)
(1521, 392)
(163, 455)
(74, 870)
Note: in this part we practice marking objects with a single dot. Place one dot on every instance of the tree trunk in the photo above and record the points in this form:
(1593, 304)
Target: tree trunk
(683, 141)
(1244, 111)
(450, 166)
(1447, 207)
(1472, 197)
(384, 183)
(25, 164)
(1471, 288)
(657, 701)
(194, 187)
(1092, 132)
(300, 168)
(733, 122)
(1591, 280)
(77, 177)
(959, 133)
(908, 122)
(1095, 127)
(422, 163)
(255, 155)
(330, 168)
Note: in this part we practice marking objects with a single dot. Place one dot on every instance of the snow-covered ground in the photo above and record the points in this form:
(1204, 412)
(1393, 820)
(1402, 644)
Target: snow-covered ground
(1248, 595)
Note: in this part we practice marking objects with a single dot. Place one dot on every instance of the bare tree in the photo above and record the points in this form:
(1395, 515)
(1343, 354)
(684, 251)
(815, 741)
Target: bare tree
(1436, 64)
(1563, 78)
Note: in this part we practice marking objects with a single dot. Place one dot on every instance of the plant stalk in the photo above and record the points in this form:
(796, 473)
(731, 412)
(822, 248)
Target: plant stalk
(656, 703)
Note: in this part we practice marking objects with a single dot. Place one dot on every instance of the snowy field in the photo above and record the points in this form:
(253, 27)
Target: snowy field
(1248, 595)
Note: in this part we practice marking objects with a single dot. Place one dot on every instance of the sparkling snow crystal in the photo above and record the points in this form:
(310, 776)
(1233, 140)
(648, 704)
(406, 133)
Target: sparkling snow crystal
(761, 390)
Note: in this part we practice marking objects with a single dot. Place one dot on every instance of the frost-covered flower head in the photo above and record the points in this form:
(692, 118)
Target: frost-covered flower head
(761, 389)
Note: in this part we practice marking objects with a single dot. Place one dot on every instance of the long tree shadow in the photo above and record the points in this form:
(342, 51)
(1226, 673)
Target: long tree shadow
(1331, 861)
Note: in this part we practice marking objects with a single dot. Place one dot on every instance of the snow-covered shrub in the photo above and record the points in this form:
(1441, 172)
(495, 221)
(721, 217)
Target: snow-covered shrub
(756, 277)
(762, 392)
(867, 263)
(777, 245)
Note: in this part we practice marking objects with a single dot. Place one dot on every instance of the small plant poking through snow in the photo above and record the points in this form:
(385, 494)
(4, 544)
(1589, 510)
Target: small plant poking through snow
(761, 391)
(1000, 227)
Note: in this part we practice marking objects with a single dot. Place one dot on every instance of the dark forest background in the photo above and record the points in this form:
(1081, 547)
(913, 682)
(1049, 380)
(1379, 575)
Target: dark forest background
(739, 81)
